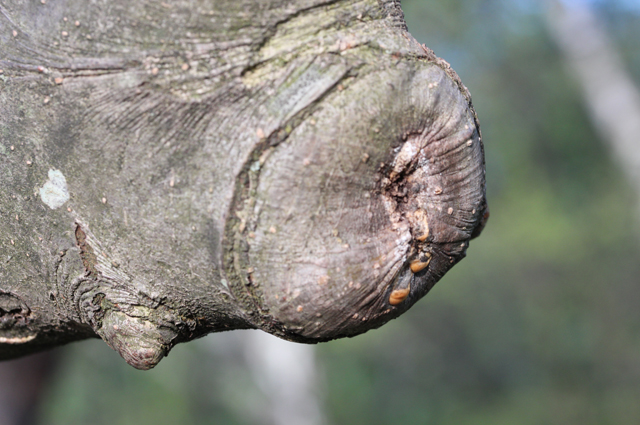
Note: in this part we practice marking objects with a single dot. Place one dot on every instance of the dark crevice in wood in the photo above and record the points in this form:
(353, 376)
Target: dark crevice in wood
(86, 252)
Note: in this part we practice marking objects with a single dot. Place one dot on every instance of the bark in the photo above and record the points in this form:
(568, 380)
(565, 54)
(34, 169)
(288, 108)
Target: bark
(171, 169)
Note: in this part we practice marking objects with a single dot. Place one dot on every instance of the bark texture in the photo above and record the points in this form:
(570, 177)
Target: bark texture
(171, 169)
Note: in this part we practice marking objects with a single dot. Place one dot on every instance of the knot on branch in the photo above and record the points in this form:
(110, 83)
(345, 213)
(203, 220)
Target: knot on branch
(142, 330)
(362, 209)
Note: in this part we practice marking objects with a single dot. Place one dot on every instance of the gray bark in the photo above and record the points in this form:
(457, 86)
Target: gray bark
(171, 169)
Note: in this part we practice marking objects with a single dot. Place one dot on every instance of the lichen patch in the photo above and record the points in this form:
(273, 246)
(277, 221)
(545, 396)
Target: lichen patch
(54, 193)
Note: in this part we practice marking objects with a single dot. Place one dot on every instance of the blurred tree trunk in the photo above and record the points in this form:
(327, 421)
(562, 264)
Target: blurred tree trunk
(288, 376)
(22, 383)
(171, 169)
(610, 94)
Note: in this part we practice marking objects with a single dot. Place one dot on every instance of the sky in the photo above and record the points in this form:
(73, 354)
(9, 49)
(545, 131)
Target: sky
(631, 5)
(628, 5)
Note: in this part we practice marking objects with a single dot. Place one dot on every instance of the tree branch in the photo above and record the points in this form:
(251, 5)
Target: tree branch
(170, 170)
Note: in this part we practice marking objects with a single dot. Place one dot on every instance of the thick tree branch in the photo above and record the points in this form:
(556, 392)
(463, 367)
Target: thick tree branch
(174, 169)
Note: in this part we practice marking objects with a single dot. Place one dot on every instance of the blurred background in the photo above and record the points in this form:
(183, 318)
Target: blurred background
(540, 324)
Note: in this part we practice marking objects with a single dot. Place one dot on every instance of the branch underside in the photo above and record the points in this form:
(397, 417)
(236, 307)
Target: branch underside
(308, 169)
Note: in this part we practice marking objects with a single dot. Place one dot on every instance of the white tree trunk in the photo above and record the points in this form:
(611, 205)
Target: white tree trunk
(287, 374)
(611, 96)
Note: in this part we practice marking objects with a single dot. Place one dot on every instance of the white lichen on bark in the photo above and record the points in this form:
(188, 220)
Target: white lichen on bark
(54, 193)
